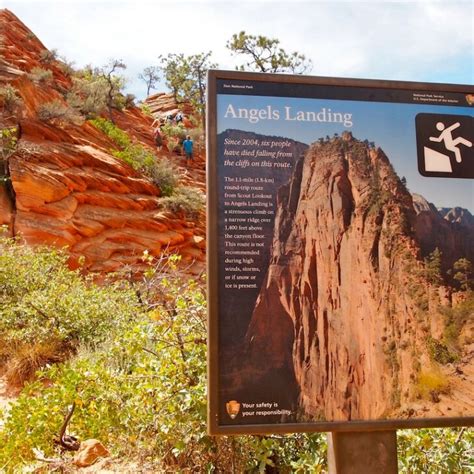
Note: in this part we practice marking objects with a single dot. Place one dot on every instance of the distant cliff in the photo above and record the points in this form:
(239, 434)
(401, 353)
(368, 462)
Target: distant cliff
(451, 230)
(346, 309)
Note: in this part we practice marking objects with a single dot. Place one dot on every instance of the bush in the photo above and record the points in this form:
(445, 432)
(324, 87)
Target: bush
(46, 309)
(187, 201)
(40, 75)
(455, 320)
(124, 101)
(89, 97)
(58, 111)
(11, 99)
(164, 177)
(174, 131)
(439, 352)
(140, 158)
(434, 451)
(47, 56)
(432, 383)
(116, 134)
(96, 90)
(145, 108)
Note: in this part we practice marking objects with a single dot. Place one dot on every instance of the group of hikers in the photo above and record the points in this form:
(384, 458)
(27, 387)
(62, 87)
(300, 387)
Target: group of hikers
(186, 143)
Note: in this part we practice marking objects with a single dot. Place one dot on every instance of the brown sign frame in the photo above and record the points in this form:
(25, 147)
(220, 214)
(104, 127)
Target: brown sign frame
(214, 427)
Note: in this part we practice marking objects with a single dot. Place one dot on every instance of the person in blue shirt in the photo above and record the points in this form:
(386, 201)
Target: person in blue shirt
(188, 148)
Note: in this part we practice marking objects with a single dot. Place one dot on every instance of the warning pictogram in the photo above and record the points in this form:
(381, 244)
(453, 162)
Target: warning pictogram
(445, 145)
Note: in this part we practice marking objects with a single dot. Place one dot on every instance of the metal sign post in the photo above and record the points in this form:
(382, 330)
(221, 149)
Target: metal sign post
(372, 452)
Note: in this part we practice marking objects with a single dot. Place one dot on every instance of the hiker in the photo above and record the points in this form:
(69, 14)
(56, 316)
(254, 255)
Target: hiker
(188, 148)
(158, 138)
(169, 118)
(179, 118)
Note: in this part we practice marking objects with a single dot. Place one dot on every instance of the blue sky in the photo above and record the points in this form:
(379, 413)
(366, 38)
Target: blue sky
(390, 125)
(404, 40)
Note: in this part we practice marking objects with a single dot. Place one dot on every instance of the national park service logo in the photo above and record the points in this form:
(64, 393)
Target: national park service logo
(233, 408)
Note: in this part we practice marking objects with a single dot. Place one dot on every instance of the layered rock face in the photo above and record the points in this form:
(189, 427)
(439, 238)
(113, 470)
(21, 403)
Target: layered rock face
(451, 230)
(334, 308)
(68, 188)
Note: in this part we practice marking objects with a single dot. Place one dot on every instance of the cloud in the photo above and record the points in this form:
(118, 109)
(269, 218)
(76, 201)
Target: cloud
(427, 41)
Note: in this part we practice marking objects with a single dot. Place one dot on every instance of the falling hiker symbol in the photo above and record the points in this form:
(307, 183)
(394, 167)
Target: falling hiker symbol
(450, 143)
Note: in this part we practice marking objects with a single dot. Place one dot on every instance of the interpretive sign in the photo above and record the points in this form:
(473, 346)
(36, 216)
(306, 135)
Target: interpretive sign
(341, 250)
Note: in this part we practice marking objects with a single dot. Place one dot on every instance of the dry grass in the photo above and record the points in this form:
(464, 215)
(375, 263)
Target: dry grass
(25, 359)
(432, 383)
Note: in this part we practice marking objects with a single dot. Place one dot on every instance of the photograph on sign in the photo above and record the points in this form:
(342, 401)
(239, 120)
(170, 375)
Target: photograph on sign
(344, 242)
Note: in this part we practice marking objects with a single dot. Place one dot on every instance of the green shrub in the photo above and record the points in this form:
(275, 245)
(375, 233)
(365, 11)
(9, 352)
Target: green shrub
(174, 131)
(174, 145)
(40, 75)
(11, 99)
(145, 108)
(124, 101)
(164, 176)
(43, 302)
(47, 56)
(116, 134)
(455, 319)
(435, 451)
(439, 352)
(58, 111)
(187, 201)
(138, 157)
(89, 97)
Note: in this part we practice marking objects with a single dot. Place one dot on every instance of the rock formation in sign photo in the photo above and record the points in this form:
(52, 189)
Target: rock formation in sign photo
(355, 306)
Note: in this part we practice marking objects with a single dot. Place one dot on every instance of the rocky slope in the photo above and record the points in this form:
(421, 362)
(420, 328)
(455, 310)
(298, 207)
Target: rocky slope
(67, 187)
(344, 309)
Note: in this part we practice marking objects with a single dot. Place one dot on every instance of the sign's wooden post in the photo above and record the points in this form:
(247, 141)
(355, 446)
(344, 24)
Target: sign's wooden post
(372, 452)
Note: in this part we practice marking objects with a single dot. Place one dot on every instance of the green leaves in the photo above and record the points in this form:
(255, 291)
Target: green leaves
(186, 77)
(265, 55)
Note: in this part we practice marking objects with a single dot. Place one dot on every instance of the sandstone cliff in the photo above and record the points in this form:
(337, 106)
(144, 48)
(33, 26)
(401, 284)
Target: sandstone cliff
(451, 230)
(345, 309)
(67, 188)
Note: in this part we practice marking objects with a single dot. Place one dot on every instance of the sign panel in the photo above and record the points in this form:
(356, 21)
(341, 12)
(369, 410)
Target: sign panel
(341, 245)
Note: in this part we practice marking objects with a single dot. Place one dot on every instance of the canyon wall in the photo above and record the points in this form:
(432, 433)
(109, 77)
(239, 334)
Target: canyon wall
(344, 308)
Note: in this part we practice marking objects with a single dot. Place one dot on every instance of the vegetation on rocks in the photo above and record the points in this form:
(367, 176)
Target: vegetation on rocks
(10, 98)
(177, 199)
(56, 110)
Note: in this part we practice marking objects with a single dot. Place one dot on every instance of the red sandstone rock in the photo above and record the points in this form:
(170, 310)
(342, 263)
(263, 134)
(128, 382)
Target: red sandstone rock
(70, 191)
(337, 312)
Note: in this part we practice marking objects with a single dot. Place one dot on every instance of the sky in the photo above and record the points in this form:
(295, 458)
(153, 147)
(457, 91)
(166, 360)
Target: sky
(429, 41)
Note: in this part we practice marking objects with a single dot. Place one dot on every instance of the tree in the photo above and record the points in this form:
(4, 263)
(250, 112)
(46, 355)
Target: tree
(463, 273)
(150, 75)
(186, 77)
(265, 55)
(433, 267)
(114, 82)
(97, 89)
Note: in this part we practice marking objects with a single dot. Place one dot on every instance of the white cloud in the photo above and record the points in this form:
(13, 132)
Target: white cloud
(407, 40)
